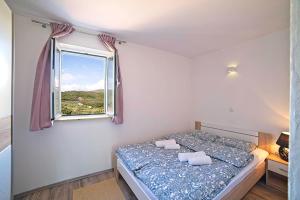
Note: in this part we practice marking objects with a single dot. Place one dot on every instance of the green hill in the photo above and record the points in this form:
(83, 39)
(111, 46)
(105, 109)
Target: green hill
(82, 102)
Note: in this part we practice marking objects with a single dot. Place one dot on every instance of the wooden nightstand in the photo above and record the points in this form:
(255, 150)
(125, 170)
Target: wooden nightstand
(277, 173)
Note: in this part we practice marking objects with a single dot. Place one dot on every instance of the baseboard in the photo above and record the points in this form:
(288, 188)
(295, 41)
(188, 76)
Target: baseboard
(23, 194)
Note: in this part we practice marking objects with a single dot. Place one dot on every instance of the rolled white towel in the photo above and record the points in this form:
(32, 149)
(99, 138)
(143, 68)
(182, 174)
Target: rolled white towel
(162, 143)
(200, 160)
(185, 156)
(172, 146)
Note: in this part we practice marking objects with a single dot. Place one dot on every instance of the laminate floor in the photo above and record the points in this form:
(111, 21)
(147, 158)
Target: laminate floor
(263, 192)
(65, 191)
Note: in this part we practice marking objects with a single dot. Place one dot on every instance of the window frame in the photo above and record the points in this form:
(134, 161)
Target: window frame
(58, 46)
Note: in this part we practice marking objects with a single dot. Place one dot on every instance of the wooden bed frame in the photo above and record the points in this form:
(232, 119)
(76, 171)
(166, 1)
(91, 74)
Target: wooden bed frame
(240, 190)
(263, 140)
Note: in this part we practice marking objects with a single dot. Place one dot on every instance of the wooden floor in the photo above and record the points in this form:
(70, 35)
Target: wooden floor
(262, 192)
(65, 191)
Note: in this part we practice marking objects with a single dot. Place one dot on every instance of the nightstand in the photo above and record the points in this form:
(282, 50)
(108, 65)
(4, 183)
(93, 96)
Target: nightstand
(277, 173)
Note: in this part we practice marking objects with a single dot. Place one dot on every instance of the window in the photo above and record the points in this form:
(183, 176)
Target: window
(83, 82)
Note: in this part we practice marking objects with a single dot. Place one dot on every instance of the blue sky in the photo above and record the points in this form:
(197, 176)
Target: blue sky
(82, 72)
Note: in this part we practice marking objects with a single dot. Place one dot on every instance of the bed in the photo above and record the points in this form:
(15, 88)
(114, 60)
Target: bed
(239, 180)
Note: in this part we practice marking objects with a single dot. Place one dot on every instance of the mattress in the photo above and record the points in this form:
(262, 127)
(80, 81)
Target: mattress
(259, 157)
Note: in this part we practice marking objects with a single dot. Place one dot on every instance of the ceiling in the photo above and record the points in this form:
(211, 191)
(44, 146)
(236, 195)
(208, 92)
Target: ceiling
(185, 27)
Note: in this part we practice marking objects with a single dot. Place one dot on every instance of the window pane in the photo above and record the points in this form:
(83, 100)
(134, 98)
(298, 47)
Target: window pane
(82, 84)
(57, 106)
(110, 86)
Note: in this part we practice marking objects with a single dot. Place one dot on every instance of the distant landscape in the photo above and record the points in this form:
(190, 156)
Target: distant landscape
(82, 102)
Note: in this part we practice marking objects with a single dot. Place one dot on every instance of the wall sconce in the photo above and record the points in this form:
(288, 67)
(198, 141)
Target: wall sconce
(232, 70)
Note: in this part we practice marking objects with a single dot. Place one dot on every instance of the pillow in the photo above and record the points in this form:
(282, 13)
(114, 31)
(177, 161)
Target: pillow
(206, 136)
(187, 139)
(231, 155)
(236, 143)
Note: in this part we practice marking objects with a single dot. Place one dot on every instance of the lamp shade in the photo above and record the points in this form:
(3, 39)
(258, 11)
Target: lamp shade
(283, 140)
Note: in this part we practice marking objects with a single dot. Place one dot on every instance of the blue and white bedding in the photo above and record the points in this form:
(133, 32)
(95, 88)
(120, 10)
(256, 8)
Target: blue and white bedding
(137, 156)
(168, 178)
(235, 156)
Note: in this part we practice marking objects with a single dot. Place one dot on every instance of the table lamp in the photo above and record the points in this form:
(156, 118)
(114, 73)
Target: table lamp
(283, 142)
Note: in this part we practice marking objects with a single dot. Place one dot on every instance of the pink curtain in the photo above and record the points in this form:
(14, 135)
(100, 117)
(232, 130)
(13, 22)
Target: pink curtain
(40, 110)
(109, 42)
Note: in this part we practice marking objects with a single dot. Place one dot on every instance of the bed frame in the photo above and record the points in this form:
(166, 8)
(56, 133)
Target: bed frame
(263, 140)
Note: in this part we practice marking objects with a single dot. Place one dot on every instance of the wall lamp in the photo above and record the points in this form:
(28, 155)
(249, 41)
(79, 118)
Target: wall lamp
(232, 70)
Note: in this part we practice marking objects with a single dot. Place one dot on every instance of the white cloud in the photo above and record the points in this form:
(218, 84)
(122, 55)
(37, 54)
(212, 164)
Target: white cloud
(67, 77)
(80, 87)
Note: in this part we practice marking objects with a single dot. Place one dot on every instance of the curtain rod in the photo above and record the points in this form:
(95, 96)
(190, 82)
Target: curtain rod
(45, 24)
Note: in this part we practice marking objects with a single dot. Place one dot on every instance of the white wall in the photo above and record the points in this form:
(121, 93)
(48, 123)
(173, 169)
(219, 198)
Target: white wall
(5, 59)
(5, 173)
(258, 98)
(156, 91)
(163, 92)
(5, 94)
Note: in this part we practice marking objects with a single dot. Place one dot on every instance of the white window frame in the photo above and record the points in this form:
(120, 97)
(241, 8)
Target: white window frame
(80, 50)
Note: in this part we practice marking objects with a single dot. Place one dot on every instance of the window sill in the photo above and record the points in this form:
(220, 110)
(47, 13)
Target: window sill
(85, 117)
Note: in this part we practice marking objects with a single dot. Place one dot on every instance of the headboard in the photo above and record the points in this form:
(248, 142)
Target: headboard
(262, 140)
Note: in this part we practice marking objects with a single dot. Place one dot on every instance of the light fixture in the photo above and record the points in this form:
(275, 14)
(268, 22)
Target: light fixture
(232, 69)
(283, 142)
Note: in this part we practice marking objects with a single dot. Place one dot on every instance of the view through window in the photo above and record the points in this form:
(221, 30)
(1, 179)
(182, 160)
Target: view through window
(82, 84)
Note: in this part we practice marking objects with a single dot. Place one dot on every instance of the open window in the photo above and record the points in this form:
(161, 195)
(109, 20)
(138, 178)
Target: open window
(83, 82)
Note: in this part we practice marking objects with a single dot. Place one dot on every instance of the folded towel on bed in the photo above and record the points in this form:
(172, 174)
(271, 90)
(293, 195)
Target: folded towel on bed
(200, 160)
(172, 146)
(163, 143)
(185, 156)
